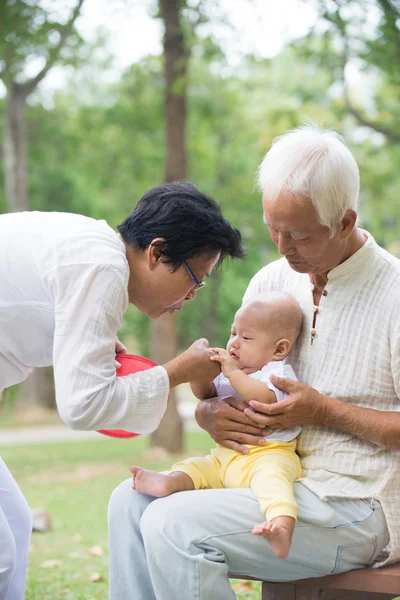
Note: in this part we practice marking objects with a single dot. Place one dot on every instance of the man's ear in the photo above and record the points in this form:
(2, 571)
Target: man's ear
(154, 252)
(282, 348)
(348, 222)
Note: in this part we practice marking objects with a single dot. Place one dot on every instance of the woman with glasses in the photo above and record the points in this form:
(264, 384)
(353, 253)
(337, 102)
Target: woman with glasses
(65, 283)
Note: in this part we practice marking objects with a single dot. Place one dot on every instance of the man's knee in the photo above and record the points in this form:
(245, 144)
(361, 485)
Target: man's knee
(125, 502)
(167, 518)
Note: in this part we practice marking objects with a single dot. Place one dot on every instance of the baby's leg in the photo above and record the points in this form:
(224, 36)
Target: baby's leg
(159, 484)
(190, 474)
(278, 532)
(272, 478)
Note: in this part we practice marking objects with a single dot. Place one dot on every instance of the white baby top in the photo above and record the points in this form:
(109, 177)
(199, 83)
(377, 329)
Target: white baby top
(278, 368)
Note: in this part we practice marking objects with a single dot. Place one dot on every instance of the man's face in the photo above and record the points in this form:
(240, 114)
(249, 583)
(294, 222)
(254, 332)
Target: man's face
(306, 244)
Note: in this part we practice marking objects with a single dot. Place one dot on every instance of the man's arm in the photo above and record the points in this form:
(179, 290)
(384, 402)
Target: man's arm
(305, 405)
(226, 423)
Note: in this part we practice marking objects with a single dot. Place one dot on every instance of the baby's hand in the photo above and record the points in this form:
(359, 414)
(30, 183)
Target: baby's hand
(228, 364)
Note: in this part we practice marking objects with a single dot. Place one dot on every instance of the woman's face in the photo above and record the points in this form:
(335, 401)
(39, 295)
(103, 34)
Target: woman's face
(165, 291)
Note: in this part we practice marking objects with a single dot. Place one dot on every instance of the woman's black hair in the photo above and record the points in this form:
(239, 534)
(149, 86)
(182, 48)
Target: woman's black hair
(190, 222)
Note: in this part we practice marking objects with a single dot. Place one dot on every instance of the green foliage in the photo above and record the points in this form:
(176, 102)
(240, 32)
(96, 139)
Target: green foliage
(100, 146)
(28, 30)
(366, 33)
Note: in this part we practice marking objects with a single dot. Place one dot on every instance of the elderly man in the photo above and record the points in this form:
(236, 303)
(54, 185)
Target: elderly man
(65, 284)
(348, 363)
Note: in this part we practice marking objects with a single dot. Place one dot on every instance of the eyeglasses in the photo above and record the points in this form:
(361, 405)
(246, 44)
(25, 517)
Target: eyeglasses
(199, 284)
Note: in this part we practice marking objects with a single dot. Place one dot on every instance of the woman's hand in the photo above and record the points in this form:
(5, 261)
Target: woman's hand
(225, 421)
(119, 349)
(193, 365)
(303, 405)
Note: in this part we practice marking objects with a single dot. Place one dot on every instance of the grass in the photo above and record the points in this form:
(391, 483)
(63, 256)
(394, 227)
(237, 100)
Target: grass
(19, 416)
(74, 481)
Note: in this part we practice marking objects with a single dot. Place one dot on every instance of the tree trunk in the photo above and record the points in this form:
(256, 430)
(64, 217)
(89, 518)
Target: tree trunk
(169, 435)
(39, 387)
(15, 150)
(210, 320)
(175, 68)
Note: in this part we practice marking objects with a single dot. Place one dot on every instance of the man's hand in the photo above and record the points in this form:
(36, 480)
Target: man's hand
(228, 364)
(302, 406)
(119, 349)
(225, 421)
(193, 365)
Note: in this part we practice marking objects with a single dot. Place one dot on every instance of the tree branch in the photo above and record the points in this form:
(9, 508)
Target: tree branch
(393, 136)
(392, 14)
(390, 7)
(388, 133)
(65, 32)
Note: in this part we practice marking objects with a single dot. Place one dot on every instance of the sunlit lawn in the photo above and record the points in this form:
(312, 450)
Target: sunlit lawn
(73, 481)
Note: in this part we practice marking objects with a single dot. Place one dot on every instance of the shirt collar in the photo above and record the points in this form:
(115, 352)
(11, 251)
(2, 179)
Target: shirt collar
(356, 261)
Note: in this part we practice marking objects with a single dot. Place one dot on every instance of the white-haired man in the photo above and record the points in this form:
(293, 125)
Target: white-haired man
(348, 363)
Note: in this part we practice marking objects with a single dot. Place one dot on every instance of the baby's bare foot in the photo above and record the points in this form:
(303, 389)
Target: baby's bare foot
(277, 535)
(152, 483)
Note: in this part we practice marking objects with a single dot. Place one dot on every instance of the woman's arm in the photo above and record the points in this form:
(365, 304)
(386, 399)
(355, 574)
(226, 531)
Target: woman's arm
(88, 315)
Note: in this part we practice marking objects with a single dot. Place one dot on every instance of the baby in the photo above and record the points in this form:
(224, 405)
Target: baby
(263, 333)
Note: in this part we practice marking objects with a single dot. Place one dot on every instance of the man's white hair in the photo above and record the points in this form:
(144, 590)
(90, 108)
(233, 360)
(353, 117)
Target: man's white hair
(315, 163)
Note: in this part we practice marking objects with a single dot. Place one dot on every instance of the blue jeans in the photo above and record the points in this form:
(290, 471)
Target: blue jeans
(183, 546)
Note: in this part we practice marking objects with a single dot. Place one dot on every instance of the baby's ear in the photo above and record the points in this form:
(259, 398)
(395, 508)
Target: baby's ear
(282, 348)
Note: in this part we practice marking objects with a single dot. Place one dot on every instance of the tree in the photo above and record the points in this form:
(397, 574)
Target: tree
(367, 32)
(27, 31)
(169, 434)
(364, 36)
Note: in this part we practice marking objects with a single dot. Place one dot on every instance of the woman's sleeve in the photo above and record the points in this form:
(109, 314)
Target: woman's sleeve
(90, 301)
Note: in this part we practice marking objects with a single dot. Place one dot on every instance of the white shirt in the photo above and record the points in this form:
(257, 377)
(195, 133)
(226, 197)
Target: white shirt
(355, 357)
(223, 387)
(63, 294)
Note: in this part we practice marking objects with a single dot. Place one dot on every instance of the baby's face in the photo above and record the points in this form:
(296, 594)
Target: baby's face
(252, 343)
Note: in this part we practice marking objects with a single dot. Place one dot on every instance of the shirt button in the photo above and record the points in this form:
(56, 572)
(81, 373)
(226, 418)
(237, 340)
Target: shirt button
(312, 287)
(313, 333)
(317, 309)
(324, 293)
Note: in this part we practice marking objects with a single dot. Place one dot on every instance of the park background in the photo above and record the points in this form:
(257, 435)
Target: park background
(101, 100)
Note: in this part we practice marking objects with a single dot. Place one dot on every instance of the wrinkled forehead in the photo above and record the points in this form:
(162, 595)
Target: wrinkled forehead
(289, 212)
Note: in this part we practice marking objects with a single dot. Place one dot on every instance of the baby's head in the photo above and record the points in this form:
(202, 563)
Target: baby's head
(264, 330)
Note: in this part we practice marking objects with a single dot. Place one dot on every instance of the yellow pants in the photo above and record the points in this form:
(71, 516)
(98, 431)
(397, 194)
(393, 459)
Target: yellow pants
(268, 470)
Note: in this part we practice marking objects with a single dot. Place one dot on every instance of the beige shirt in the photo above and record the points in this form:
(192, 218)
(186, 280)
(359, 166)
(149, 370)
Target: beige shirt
(63, 294)
(355, 357)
